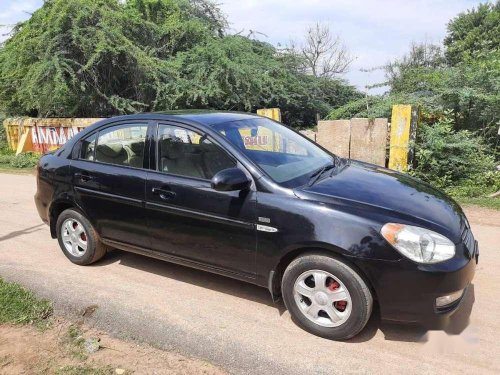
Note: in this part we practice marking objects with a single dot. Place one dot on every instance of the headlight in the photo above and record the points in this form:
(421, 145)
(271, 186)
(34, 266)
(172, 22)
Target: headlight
(419, 244)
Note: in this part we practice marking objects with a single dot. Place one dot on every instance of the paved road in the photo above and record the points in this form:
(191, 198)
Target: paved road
(233, 324)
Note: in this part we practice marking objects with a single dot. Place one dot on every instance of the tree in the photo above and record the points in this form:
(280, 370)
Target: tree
(93, 58)
(405, 74)
(473, 34)
(464, 77)
(97, 57)
(324, 53)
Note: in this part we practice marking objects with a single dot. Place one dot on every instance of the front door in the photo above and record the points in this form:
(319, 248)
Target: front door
(109, 180)
(186, 217)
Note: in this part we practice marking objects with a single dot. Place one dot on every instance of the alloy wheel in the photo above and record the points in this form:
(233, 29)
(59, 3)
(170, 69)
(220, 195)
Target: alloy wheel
(74, 237)
(322, 298)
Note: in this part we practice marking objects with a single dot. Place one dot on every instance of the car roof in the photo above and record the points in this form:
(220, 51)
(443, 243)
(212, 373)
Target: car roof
(204, 117)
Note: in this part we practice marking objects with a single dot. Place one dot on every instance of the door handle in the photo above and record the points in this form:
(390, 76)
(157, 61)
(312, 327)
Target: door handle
(83, 177)
(164, 194)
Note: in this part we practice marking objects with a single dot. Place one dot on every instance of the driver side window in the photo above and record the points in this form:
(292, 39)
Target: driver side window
(187, 153)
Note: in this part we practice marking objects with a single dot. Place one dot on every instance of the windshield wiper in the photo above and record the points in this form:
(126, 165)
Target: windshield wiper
(317, 174)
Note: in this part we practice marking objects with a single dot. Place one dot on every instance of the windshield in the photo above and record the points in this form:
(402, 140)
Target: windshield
(289, 159)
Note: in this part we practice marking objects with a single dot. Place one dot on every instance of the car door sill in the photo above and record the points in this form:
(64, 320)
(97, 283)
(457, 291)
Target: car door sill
(178, 260)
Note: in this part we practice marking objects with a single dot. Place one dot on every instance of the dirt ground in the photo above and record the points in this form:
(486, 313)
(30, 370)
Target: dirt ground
(29, 350)
(235, 325)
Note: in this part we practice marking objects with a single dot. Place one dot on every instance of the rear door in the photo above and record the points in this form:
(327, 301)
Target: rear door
(109, 179)
(186, 217)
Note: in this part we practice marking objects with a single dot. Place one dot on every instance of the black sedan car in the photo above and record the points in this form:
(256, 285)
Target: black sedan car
(249, 198)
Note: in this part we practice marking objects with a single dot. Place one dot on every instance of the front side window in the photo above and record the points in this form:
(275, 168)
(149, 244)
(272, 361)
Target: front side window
(285, 156)
(122, 145)
(187, 153)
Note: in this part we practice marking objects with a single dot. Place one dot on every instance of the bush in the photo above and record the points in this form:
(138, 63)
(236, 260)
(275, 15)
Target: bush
(455, 161)
(3, 134)
(6, 158)
(24, 160)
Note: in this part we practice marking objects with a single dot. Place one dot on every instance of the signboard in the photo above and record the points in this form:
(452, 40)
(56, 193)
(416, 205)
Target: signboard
(42, 134)
(47, 138)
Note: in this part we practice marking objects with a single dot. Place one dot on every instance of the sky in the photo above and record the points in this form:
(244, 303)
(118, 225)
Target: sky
(375, 31)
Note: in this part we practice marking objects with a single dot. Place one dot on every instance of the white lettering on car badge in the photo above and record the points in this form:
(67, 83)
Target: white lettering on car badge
(264, 219)
(265, 228)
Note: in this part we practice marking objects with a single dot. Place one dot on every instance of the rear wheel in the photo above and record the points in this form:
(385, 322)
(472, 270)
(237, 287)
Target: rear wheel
(326, 297)
(78, 239)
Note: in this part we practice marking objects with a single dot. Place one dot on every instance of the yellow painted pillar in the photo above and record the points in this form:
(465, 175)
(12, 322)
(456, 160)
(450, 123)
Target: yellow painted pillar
(272, 113)
(403, 130)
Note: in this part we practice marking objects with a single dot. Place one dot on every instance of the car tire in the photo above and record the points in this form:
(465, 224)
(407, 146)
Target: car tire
(313, 289)
(78, 239)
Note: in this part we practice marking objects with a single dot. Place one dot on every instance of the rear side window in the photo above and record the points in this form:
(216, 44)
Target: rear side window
(118, 145)
(187, 153)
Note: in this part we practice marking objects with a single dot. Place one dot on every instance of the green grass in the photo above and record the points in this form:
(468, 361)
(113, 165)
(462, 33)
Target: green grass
(493, 203)
(75, 341)
(20, 306)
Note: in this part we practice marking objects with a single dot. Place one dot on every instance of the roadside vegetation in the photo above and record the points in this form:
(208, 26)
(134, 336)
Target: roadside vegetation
(20, 306)
(40, 343)
(8, 158)
(457, 88)
(23, 161)
(86, 58)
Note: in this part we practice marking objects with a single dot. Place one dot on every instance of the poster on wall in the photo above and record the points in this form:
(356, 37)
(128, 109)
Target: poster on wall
(47, 138)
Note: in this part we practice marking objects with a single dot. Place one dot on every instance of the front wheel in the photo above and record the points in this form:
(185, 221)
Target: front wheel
(78, 239)
(326, 297)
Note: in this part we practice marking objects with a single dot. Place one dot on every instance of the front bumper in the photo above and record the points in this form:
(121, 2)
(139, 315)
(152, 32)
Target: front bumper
(407, 291)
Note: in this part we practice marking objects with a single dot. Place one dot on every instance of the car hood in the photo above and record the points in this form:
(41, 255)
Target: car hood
(387, 195)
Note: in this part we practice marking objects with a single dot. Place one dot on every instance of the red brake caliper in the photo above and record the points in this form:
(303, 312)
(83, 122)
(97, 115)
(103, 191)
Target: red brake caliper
(339, 305)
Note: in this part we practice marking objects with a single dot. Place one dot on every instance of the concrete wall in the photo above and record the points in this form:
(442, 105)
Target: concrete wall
(359, 138)
(335, 135)
(368, 140)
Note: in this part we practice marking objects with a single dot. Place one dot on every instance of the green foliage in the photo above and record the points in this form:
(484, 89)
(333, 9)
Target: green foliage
(473, 34)
(20, 306)
(370, 106)
(463, 78)
(416, 71)
(92, 58)
(3, 134)
(23, 160)
(455, 161)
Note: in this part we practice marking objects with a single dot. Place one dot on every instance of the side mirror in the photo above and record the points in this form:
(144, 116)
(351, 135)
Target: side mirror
(230, 179)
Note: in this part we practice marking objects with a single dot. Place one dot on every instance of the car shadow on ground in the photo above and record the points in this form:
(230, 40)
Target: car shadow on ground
(392, 331)
(192, 276)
